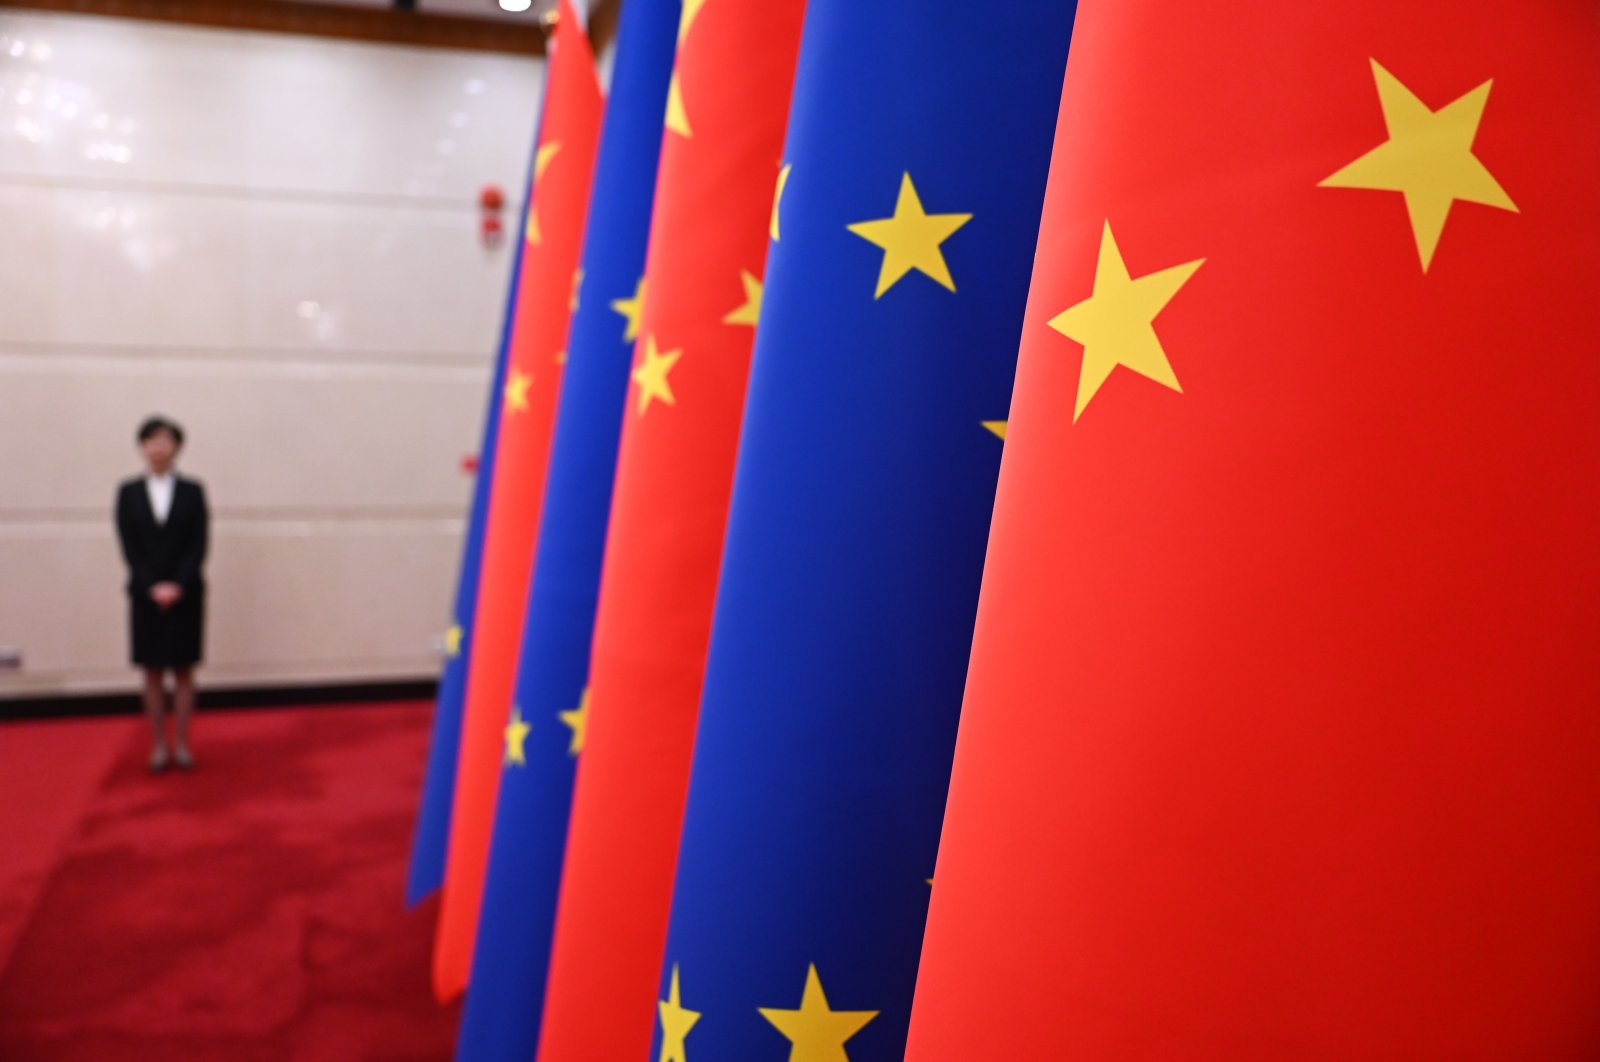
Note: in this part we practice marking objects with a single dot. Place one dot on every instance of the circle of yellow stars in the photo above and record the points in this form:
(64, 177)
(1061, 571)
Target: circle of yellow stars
(815, 1031)
(515, 734)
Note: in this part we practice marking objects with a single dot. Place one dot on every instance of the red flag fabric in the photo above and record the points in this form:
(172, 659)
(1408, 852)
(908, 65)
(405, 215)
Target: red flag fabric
(563, 166)
(1280, 738)
(726, 115)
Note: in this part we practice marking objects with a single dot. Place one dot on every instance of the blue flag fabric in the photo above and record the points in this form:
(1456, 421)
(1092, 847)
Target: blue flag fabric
(918, 146)
(432, 837)
(545, 731)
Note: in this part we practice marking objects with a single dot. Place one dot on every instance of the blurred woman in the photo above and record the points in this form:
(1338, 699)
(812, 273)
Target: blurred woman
(163, 523)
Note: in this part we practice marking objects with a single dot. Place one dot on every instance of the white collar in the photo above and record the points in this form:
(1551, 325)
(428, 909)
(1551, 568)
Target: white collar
(166, 477)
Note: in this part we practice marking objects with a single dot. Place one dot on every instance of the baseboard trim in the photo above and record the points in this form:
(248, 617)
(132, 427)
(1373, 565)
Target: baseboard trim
(61, 706)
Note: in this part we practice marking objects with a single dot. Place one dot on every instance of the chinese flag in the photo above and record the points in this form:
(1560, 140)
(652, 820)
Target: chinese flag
(726, 111)
(564, 163)
(1282, 728)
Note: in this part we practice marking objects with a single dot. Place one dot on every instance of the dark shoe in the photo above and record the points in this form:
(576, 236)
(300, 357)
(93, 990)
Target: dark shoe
(183, 759)
(158, 759)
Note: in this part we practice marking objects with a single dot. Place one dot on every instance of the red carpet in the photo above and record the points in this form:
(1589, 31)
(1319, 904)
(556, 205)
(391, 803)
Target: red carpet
(251, 910)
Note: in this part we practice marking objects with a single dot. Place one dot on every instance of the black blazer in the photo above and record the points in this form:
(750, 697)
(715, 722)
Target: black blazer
(169, 552)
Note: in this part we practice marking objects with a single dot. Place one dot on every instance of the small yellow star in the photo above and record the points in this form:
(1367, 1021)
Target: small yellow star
(516, 735)
(750, 312)
(544, 156)
(631, 310)
(910, 239)
(452, 640)
(677, 115)
(516, 392)
(816, 1032)
(676, 1021)
(998, 427)
(691, 9)
(541, 162)
(577, 720)
(1115, 324)
(1428, 159)
(577, 282)
(559, 357)
(777, 196)
(651, 375)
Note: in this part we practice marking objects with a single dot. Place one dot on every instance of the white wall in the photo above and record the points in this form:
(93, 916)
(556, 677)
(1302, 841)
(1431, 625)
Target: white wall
(274, 240)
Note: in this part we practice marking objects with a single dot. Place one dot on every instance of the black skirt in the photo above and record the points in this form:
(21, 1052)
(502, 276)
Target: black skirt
(167, 637)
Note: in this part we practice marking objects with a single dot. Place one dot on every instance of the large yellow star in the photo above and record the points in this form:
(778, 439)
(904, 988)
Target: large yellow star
(1115, 324)
(996, 427)
(911, 239)
(677, 115)
(541, 162)
(452, 640)
(516, 735)
(676, 1021)
(516, 391)
(651, 375)
(1428, 159)
(631, 309)
(777, 196)
(816, 1032)
(577, 720)
(750, 311)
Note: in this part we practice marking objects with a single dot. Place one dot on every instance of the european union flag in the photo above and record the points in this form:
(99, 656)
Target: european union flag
(426, 873)
(918, 147)
(544, 734)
